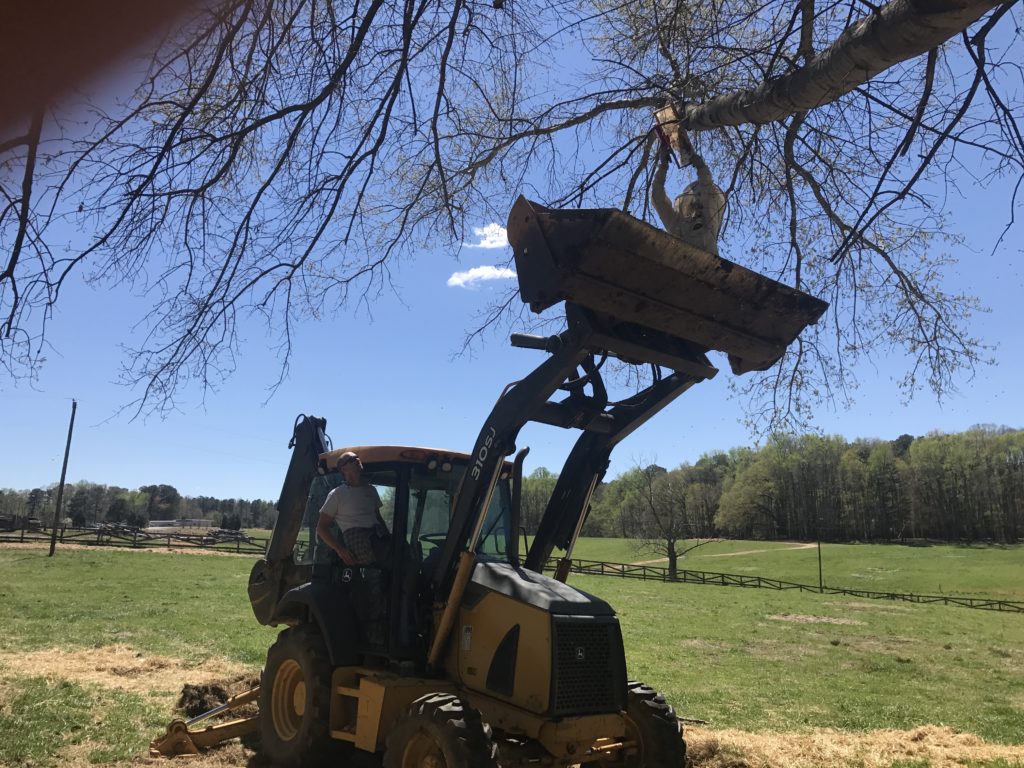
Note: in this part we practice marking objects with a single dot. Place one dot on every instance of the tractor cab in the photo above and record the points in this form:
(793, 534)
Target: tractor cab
(416, 487)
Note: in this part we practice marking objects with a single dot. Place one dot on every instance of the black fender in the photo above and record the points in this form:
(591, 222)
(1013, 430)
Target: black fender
(330, 607)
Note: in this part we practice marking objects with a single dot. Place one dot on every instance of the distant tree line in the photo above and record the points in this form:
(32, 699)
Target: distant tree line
(86, 503)
(953, 487)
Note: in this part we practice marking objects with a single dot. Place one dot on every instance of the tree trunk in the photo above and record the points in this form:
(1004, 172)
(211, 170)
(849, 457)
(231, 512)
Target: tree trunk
(900, 30)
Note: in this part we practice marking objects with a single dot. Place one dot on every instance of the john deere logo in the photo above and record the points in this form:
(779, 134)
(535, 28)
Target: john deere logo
(581, 653)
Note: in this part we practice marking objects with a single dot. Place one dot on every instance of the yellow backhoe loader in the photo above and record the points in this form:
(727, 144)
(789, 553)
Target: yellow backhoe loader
(457, 651)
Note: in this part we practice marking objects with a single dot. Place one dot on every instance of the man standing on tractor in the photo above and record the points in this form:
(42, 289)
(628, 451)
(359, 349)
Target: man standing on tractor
(355, 507)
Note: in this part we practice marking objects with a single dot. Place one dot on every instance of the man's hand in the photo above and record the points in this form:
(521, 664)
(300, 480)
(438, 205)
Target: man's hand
(323, 530)
(345, 554)
(686, 150)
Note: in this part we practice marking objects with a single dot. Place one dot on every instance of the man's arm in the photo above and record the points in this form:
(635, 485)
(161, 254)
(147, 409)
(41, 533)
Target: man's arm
(703, 172)
(323, 530)
(659, 198)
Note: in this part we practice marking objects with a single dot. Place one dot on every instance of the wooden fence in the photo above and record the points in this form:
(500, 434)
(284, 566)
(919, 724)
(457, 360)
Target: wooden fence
(216, 541)
(660, 573)
(126, 538)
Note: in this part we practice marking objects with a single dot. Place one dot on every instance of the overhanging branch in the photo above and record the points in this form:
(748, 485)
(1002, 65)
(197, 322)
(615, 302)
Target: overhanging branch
(901, 30)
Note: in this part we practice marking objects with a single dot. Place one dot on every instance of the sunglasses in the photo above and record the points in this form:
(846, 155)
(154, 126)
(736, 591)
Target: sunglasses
(347, 462)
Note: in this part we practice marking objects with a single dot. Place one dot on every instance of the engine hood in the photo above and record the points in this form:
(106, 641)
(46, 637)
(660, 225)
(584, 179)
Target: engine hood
(534, 589)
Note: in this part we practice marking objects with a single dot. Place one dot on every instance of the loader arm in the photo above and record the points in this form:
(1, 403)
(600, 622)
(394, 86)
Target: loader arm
(587, 463)
(496, 440)
(271, 575)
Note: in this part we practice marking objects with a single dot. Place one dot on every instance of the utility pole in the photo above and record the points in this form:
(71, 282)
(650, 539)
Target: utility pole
(63, 473)
(817, 536)
(821, 578)
(817, 531)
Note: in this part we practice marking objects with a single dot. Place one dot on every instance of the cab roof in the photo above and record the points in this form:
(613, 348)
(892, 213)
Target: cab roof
(372, 454)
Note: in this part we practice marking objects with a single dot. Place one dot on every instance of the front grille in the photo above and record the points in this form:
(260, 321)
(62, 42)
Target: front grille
(588, 667)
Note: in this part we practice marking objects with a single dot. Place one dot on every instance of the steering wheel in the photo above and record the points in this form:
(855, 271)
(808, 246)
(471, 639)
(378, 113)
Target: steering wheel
(437, 539)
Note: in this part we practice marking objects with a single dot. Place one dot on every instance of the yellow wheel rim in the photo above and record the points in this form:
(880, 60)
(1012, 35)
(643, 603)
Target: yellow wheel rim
(631, 752)
(634, 738)
(288, 699)
(422, 751)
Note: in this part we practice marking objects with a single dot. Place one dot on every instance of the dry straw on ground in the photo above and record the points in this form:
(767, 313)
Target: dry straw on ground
(161, 678)
(117, 666)
(934, 746)
(798, 618)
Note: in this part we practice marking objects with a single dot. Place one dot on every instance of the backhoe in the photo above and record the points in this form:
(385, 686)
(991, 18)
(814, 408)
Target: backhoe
(457, 650)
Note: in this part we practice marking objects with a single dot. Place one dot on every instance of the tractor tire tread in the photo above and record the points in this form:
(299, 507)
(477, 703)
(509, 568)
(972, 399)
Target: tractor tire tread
(313, 744)
(664, 746)
(465, 735)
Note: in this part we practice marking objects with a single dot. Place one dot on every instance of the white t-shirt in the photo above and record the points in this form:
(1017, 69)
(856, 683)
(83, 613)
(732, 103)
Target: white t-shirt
(352, 506)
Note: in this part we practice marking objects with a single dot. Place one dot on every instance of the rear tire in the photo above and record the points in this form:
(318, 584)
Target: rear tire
(295, 699)
(440, 731)
(656, 728)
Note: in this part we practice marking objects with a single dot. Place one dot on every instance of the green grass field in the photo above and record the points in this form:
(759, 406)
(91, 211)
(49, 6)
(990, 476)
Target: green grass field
(982, 570)
(756, 660)
(759, 659)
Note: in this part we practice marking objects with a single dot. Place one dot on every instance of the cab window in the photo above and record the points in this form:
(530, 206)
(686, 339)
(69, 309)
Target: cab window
(431, 494)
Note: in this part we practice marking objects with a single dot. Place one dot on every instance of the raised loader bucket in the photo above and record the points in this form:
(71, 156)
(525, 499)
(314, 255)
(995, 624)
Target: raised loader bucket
(614, 264)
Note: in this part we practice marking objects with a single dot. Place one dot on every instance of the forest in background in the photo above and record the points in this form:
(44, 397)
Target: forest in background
(951, 487)
(87, 503)
(964, 487)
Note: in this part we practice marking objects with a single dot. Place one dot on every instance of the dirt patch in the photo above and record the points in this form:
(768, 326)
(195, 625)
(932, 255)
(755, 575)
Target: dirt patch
(937, 746)
(697, 643)
(771, 651)
(120, 667)
(196, 700)
(801, 619)
(878, 606)
(229, 755)
(7, 694)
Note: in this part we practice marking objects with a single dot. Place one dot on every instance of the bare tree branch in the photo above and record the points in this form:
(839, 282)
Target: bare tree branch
(278, 159)
(24, 205)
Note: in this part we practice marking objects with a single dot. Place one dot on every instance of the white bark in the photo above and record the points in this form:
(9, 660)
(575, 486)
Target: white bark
(901, 30)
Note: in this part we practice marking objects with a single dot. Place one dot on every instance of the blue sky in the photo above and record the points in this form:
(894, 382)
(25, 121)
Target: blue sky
(386, 374)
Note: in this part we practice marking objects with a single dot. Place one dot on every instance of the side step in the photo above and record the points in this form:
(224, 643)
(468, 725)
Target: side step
(631, 272)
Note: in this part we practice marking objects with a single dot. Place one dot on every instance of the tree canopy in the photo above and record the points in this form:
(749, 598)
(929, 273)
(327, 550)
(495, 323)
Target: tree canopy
(278, 159)
(88, 503)
(952, 487)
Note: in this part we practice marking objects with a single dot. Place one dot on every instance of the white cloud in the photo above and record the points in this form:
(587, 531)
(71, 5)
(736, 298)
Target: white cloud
(471, 278)
(491, 236)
